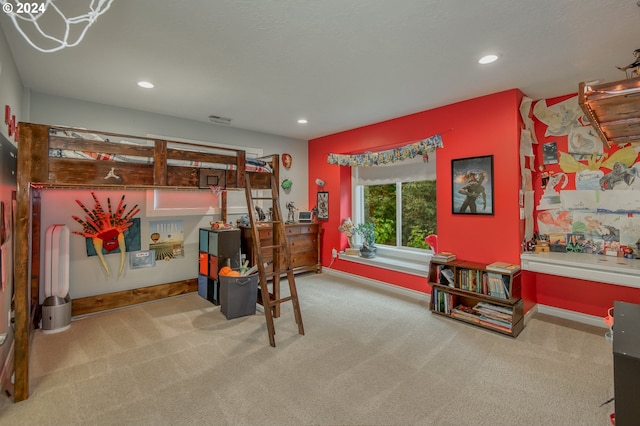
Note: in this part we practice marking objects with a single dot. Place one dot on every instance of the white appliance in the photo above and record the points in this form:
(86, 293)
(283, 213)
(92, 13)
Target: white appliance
(56, 308)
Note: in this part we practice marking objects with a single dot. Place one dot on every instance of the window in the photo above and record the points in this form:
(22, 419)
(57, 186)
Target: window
(400, 198)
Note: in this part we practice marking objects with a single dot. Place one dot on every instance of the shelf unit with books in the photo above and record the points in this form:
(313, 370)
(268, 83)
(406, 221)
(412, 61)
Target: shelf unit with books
(471, 293)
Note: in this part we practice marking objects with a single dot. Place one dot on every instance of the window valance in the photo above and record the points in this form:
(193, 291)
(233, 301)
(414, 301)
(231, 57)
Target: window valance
(410, 170)
(420, 148)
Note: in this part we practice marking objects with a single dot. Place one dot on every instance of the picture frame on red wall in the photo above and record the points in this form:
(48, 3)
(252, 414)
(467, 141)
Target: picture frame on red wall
(322, 205)
(472, 185)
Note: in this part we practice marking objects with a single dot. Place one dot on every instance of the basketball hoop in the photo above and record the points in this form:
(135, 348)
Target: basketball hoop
(26, 16)
(217, 190)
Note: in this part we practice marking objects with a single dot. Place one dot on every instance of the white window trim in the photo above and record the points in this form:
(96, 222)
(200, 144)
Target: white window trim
(358, 215)
(397, 258)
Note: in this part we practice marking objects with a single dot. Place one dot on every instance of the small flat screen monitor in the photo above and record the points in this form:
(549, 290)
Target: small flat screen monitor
(304, 217)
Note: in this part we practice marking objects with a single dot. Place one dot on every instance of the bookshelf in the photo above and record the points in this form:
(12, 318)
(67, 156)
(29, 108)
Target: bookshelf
(468, 292)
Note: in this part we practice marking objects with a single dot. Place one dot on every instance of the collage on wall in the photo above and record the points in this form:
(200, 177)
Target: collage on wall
(590, 197)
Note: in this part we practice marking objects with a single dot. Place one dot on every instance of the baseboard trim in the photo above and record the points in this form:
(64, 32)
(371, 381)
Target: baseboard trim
(572, 315)
(104, 302)
(381, 285)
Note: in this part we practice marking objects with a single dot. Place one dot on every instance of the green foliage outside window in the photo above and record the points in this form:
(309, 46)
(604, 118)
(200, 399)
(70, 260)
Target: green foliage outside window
(418, 212)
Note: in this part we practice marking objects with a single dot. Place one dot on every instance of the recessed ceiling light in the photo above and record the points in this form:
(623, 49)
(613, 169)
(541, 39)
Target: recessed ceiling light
(488, 59)
(302, 121)
(145, 84)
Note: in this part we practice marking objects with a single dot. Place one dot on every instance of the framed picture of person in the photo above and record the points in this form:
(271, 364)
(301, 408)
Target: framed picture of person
(472, 185)
(323, 206)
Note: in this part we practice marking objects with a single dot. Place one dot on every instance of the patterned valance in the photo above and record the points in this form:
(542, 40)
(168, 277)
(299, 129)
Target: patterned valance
(423, 147)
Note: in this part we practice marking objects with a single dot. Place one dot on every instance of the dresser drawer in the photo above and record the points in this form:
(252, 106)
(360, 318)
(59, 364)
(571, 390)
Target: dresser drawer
(299, 243)
(292, 230)
(265, 233)
(308, 229)
(309, 258)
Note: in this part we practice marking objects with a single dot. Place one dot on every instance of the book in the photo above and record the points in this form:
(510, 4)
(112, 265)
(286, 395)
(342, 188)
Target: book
(503, 267)
(444, 256)
(467, 313)
(496, 286)
(503, 309)
(494, 316)
(449, 278)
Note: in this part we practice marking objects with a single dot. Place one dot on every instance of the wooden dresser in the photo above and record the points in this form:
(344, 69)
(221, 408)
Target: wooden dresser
(303, 240)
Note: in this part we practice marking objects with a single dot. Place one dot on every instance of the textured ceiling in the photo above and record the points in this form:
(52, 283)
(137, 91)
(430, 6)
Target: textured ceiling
(339, 63)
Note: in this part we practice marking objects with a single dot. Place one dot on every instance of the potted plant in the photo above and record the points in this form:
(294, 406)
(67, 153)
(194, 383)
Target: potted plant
(367, 232)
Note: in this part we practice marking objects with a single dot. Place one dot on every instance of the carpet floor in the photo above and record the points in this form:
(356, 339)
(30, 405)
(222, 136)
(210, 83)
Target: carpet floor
(369, 356)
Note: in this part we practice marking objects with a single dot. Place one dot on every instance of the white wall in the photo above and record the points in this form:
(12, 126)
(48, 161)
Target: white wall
(87, 277)
(11, 90)
(10, 94)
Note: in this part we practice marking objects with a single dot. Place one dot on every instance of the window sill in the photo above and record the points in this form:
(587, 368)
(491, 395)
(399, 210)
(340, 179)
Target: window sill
(589, 267)
(417, 264)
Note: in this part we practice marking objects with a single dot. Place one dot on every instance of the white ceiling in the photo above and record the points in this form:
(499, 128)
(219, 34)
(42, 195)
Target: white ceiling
(339, 63)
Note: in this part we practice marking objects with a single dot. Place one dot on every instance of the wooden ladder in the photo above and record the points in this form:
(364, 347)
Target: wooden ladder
(278, 247)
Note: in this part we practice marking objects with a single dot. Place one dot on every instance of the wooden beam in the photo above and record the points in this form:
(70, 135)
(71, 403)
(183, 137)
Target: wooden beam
(160, 163)
(33, 142)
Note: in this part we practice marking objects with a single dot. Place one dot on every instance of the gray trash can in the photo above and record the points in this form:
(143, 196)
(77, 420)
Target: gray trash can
(238, 295)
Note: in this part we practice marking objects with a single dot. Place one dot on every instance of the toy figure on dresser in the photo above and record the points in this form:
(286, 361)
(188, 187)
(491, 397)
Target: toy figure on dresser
(261, 215)
(551, 198)
(244, 220)
(291, 216)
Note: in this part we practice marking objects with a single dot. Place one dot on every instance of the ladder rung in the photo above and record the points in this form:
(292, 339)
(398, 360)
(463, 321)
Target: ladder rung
(263, 198)
(278, 301)
(278, 273)
(276, 246)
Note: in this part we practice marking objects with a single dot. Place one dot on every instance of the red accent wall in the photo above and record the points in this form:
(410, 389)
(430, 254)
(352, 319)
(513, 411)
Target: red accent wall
(589, 297)
(489, 125)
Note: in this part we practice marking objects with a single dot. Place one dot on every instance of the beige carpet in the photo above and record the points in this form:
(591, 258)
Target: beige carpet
(369, 356)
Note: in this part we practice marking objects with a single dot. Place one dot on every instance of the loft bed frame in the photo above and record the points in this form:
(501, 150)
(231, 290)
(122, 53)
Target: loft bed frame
(613, 109)
(64, 157)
